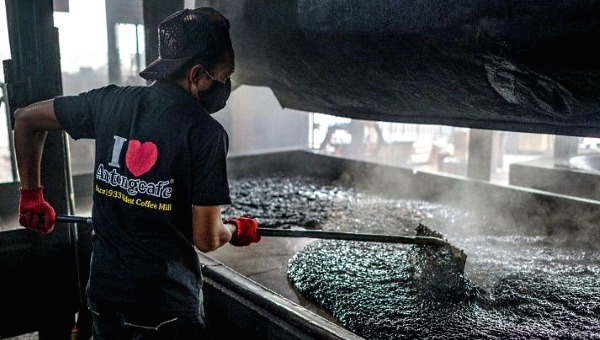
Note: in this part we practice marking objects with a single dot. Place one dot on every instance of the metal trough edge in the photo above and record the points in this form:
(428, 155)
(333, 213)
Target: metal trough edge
(236, 306)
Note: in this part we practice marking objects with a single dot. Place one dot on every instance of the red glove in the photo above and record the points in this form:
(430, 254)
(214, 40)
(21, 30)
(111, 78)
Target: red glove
(246, 231)
(34, 212)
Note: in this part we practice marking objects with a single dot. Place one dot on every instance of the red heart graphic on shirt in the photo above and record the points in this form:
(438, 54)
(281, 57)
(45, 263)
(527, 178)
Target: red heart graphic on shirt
(140, 157)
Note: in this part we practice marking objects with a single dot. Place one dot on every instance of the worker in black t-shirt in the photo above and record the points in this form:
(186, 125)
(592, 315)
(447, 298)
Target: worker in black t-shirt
(159, 180)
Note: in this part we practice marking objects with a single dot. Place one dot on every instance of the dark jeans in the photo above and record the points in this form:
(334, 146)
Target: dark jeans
(114, 321)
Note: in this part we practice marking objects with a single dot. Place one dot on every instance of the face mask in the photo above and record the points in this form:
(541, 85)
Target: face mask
(214, 98)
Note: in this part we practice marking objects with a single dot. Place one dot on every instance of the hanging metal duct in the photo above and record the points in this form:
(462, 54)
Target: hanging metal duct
(518, 65)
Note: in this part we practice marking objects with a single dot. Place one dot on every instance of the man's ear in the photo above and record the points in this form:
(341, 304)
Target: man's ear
(195, 73)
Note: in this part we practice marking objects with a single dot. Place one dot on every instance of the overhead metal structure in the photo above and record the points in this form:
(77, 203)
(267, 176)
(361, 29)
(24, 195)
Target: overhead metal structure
(515, 65)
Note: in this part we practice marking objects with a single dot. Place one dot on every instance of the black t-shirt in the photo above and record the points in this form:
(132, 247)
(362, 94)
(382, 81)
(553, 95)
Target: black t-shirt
(157, 153)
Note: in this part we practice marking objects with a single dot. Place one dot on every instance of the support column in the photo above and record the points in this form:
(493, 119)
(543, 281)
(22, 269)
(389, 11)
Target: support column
(565, 146)
(480, 154)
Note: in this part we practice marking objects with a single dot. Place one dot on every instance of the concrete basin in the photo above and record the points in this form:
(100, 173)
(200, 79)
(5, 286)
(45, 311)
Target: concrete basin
(586, 162)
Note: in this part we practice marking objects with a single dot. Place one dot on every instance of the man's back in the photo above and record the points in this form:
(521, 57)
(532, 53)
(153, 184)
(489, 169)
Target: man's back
(154, 146)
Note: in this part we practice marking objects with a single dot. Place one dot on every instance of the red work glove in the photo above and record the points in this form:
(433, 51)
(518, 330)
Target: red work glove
(34, 212)
(246, 231)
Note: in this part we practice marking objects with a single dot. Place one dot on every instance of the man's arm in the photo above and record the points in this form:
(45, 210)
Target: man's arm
(31, 124)
(211, 232)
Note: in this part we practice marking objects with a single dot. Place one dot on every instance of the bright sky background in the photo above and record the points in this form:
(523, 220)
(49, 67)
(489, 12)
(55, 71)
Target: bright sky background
(82, 36)
(4, 46)
(82, 39)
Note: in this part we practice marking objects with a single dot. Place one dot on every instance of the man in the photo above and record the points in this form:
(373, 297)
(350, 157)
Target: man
(160, 180)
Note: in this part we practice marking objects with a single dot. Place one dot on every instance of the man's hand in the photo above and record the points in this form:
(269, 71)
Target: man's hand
(246, 231)
(34, 212)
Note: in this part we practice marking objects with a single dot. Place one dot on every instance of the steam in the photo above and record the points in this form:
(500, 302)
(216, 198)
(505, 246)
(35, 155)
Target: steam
(494, 209)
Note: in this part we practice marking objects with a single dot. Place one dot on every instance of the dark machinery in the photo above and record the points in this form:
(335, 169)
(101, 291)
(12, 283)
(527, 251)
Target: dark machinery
(517, 65)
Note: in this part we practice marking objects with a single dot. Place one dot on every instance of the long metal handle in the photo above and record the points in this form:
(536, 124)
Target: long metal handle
(320, 234)
(74, 219)
(336, 235)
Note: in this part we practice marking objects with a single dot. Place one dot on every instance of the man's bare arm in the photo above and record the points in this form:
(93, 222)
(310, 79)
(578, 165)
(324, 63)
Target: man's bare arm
(209, 231)
(31, 125)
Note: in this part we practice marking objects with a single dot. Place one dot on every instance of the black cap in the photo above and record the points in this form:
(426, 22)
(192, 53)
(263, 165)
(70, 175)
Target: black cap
(186, 34)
